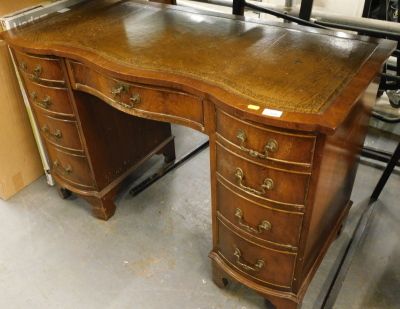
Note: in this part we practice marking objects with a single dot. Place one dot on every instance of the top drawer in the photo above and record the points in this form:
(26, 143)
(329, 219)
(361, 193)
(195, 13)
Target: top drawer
(39, 69)
(264, 143)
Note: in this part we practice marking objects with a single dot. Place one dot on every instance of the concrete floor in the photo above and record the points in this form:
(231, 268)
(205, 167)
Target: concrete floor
(153, 252)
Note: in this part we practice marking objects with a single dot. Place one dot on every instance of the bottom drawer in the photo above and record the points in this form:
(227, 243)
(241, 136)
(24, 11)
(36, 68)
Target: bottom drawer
(263, 265)
(71, 168)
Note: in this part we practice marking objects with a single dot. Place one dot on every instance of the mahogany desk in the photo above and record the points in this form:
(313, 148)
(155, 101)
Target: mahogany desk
(286, 109)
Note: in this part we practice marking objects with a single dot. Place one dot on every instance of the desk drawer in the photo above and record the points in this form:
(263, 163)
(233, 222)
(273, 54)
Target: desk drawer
(258, 180)
(71, 168)
(266, 266)
(165, 104)
(49, 100)
(265, 143)
(38, 68)
(61, 132)
(280, 227)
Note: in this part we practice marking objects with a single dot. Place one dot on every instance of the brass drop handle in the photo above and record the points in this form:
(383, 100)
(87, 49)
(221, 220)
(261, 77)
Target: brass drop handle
(53, 137)
(267, 184)
(135, 98)
(23, 65)
(264, 225)
(37, 71)
(116, 90)
(44, 104)
(271, 146)
(256, 267)
(64, 171)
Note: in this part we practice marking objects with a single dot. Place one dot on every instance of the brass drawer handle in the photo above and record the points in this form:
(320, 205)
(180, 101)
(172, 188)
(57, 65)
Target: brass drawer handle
(264, 225)
(23, 65)
(53, 137)
(46, 101)
(271, 146)
(135, 98)
(64, 171)
(257, 266)
(37, 71)
(116, 90)
(268, 183)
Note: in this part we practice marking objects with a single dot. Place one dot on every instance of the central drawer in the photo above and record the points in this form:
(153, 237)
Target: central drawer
(164, 104)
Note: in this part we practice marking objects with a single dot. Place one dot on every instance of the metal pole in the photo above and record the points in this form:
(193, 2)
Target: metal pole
(305, 9)
(387, 172)
(289, 4)
(288, 7)
(238, 7)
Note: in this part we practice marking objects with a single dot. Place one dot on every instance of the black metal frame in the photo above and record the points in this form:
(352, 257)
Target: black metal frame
(167, 168)
(306, 9)
(387, 82)
(394, 160)
(238, 7)
(281, 15)
(347, 258)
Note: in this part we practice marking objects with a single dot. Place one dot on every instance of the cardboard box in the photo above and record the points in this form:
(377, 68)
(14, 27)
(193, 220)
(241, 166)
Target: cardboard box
(35, 13)
(7, 7)
(20, 162)
(22, 159)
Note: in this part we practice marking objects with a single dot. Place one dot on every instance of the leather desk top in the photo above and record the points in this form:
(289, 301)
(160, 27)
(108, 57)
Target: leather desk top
(312, 76)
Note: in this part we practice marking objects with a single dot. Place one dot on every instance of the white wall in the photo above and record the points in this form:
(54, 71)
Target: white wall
(342, 7)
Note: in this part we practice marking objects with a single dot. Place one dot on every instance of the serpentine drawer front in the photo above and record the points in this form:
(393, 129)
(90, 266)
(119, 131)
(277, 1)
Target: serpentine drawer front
(268, 267)
(72, 168)
(286, 109)
(262, 181)
(49, 100)
(39, 68)
(60, 132)
(165, 104)
(269, 144)
(263, 220)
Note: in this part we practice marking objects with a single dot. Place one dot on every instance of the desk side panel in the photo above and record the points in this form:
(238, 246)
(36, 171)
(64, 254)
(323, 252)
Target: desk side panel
(332, 183)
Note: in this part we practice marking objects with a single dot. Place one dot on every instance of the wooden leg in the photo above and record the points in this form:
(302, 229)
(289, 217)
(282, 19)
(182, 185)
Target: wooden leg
(169, 152)
(342, 226)
(274, 302)
(219, 277)
(103, 207)
(62, 192)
